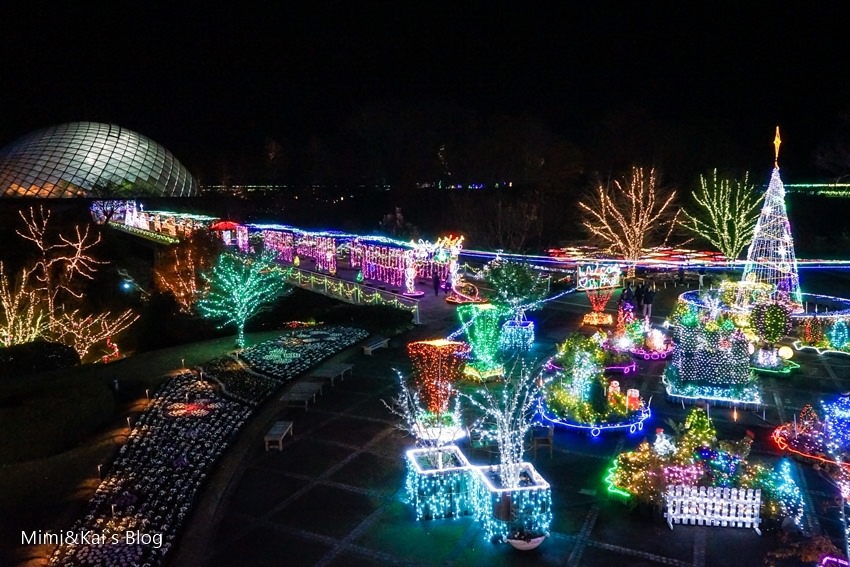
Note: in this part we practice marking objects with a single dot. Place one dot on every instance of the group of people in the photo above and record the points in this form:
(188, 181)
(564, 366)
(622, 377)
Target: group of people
(640, 298)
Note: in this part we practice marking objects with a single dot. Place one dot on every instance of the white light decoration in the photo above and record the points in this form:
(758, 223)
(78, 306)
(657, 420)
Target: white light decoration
(771, 259)
(713, 506)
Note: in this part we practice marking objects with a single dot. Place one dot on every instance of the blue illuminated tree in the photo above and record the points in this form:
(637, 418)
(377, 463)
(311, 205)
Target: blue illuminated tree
(240, 287)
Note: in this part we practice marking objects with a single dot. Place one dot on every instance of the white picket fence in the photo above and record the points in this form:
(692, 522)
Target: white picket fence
(710, 506)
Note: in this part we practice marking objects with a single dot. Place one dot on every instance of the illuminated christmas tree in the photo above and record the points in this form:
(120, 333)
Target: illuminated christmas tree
(771, 259)
(239, 288)
(481, 324)
(436, 366)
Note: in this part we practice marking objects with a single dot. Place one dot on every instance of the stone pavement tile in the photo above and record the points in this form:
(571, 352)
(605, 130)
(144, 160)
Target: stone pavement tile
(266, 546)
(394, 445)
(724, 547)
(593, 556)
(427, 542)
(260, 490)
(327, 510)
(552, 552)
(350, 430)
(373, 472)
(373, 407)
(617, 525)
(307, 457)
(358, 560)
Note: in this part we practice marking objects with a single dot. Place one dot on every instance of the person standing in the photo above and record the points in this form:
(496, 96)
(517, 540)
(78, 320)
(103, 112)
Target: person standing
(640, 291)
(648, 297)
(627, 295)
(436, 279)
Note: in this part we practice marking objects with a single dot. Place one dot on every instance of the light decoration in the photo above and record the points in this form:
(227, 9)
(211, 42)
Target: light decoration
(517, 336)
(349, 292)
(599, 282)
(520, 512)
(513, 500)
(626, 214)
(507, 409)
(436, 366)
(730, 212)
(178, 270)
(653, 345)
(711, 362)
(22, 319)
(699, 461)
(239, 288)
(516, 288)
(440, 483)
(481, 324)
(838, 336)
(577, 395)
(771, 258)
(597, 277)
(82, 332)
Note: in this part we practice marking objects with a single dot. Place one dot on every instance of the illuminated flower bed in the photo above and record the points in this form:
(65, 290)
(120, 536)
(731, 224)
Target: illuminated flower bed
(152, 484)
(522, 512)
(150, 487)
(697, 458)
(238, 382)
(577, 394)
(286, 357)
(439, 482)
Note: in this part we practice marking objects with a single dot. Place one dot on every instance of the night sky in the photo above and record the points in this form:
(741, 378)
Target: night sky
(209, 81)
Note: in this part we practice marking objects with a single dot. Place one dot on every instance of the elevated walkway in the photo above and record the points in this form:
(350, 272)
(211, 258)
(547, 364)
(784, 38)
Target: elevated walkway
(350, 291)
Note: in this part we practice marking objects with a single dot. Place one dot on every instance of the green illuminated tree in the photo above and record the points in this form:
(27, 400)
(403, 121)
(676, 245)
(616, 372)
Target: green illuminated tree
(728, 215)
(240, 287)
(516, 286)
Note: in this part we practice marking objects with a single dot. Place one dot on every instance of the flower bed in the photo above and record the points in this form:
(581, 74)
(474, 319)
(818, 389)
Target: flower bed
(301, 349)
(137, 510)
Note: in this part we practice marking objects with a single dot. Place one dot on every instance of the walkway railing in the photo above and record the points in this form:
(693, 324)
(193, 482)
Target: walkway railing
(350, 292)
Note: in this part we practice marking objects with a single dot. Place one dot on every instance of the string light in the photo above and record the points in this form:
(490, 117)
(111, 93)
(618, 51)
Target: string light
(730, 213)
(771, 258)
(239, 288)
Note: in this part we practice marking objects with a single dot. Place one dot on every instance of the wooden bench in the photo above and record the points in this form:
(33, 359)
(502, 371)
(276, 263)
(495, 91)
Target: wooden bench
(301, 393)
(276, 433)
(375, 343)
(332, 372)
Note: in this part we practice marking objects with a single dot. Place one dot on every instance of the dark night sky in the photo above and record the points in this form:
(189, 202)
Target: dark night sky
(211, 81)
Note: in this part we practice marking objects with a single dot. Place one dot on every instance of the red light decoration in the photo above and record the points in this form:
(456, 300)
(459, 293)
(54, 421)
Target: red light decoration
(437, 365)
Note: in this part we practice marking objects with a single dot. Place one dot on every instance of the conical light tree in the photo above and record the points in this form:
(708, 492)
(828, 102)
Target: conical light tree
(239, 288)
(771, 259)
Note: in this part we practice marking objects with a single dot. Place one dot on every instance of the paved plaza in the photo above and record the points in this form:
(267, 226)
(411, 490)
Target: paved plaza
(334, 494)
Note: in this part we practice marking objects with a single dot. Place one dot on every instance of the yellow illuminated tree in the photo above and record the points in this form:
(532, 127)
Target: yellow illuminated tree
(21, 317)
(629, 214)
(728, 211)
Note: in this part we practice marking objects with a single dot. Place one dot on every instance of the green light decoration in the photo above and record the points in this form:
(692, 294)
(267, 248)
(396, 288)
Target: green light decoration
(516, 289)
(728, 213)
(772, 321)
(359, 277)
(240, 287)
(481, 324)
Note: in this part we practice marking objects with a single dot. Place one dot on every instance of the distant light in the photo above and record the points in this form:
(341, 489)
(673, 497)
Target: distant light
(126, 286)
